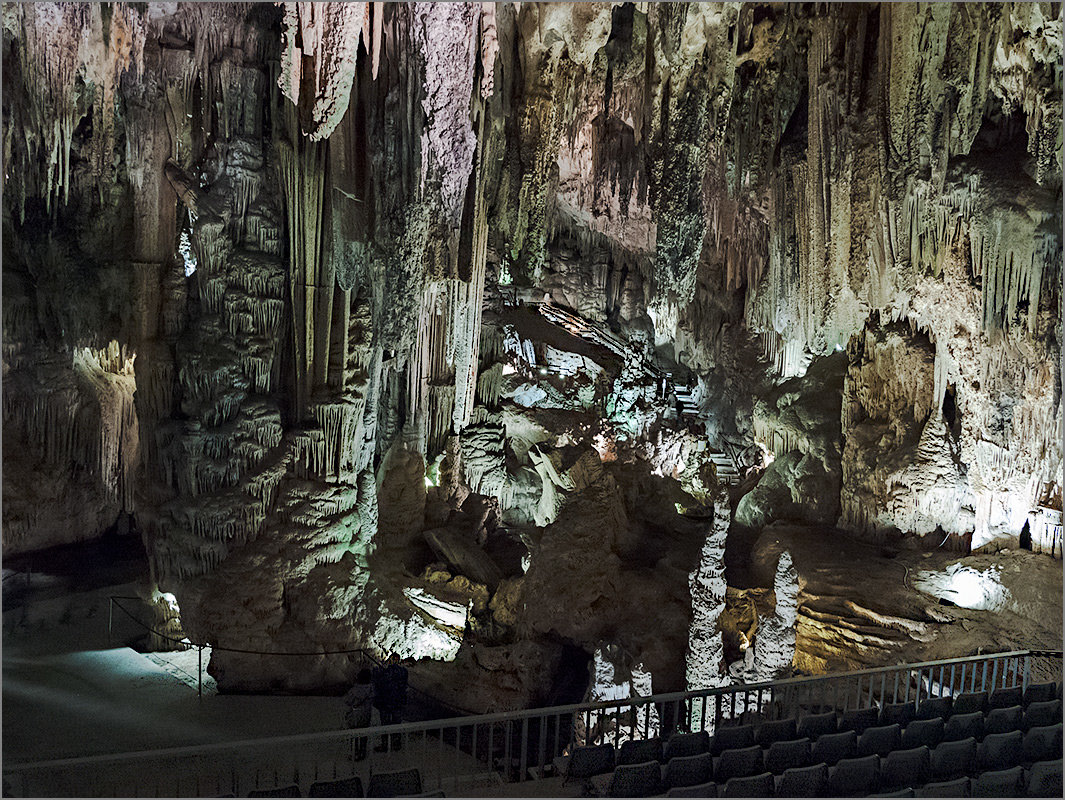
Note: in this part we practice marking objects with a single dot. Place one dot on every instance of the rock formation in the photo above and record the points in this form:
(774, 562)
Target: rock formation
(326, 300)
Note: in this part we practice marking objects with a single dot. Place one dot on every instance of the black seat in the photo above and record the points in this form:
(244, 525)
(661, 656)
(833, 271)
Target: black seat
(780, 730)
(734, 738)
(785, 755)
(952, 760)
(928, 732)
(584, 762)
(969, 702)
(740, 763)
(689, 770)
(1041, 744)
(395, 784)
(901, 713)
(1003, 720)
(831, 747)
(804, 781)
(1045, 779)
(999, 783)
(638, 751)
(962, 726)
(813, 725)
(854, 777)
(751, 786)
(1000, 751)
(1041, 713)
(708, 789)
(686, 744)
(959, 787)
(911, 767)
(433, 793)
(935, 707)
(1039, 693)
(345, 787)
(880, 741)
(905, 792)
(278, 791)
(1004, 698)
(635, 780)
(858, 719)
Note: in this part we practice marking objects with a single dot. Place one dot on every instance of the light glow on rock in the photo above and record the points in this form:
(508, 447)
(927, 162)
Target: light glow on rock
(966, 587)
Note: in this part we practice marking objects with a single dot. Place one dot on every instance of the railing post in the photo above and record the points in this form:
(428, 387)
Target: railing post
(199, 676)
(110, 614)
(1027, 671)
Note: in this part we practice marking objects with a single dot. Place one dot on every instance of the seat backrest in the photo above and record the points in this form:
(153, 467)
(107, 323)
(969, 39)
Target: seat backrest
(739, 763)
(880, 740)
(999, 783)
(904, 792)
(785, 755)
(859, 719)
(1042, 712)
(1000, 751)
(968, 702)
(854, 777)
(280, 791)
(689, 770)
(750, 786)
(831, 747)
(811, 726)
(708, 789)
(962, 726)
(775, 731)
(954, 759)
(640, 750)
(959, 787)
(584, 762)
(345, 787)
(923, 731)
(901, 713)
(1045, 779)
(934, 707)
(1004, 698)
(731, 738)
(1041, 743)
(686, 744)
(804, 781)
(906, 768)
(1003, 720)
(636, 780)
(395, 784)
(1039, 693)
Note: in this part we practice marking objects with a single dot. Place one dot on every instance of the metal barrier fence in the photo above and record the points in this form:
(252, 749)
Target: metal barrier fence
(456, 754)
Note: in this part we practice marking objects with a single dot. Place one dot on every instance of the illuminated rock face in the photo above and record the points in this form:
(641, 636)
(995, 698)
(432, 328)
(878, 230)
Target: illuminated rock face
(269, 269)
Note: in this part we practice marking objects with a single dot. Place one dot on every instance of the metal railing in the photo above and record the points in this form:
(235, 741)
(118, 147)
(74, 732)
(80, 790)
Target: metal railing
(462, 752)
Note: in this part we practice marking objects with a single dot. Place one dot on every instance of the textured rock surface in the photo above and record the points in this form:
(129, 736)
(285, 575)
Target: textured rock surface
(288, 286)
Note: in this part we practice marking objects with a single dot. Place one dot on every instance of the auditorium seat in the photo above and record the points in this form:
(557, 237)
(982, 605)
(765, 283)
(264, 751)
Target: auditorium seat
(638, 751)
(999, 783)
(901, 713)
(905, 768)
(345, 787)
(959, 787)
(999, 751)
(279, 791)
(923, 731)
(708, 789)
(686, 744)
(811, 726)
(858, 719)
(1004, 698)
(1003, 720)
(934, 707)
(1041, 713)
(880, 741)
(1039, 693)
(904, 792)
(804, 781)
(584, 762)
(1045, 780)
(631, 780)
(968, 703)
(740, 763)
(779, 730)
(732, 738)
(831, 747)
(952, 760)
(751, 786)
(854, 777)
(689, 770)
(962, 726)
(1041, 744)
(395, 784)
(785, 755)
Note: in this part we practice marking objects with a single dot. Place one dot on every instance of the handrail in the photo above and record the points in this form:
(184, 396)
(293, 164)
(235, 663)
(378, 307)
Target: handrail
(525, 714)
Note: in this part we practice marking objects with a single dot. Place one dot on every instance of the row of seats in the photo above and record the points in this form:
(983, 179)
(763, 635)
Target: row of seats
(404, 783)
(1044, 779)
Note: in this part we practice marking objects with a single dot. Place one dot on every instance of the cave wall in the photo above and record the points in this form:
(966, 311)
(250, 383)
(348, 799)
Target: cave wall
(259, 263)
